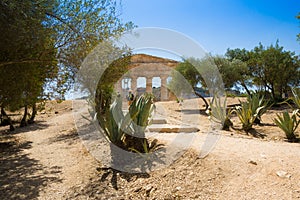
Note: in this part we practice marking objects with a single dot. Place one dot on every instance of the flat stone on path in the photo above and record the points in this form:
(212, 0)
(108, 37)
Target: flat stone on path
(159, 121)
(165, 128)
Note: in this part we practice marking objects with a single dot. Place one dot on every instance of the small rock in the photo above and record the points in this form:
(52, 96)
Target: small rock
(178, 188)
(283, 174)
(148, 188)
(253, 162)
(56, 112)
(263, 156)
(137, 189)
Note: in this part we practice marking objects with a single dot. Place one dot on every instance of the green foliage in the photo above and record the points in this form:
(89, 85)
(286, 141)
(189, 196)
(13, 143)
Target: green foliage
(79, 27)
(288, 124)
(219, 114)
(187, 71)
(245, 116)
(251, 111)
(110, 75)
(296, 97)
(142, 109)
(237, 54)
(197, 72)
(128, 131)
(27, 57)
(258, 104)
(274, 69)
(270, 68)
(233, 72)
(44, 43)
(25, 37)
(239, 58)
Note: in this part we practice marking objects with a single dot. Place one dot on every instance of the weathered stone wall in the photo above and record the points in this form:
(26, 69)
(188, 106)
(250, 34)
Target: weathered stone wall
(147, 66)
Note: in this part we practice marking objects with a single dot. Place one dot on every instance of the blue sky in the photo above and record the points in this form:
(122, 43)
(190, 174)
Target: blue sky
(220, 24)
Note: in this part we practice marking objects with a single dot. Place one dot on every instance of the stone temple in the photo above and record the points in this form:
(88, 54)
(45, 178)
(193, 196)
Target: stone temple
(144, 71)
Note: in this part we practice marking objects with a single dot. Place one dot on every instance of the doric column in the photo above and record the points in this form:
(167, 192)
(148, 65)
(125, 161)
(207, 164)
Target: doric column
(133, 84)
(164, 89)
(149, 84)
(118, 86)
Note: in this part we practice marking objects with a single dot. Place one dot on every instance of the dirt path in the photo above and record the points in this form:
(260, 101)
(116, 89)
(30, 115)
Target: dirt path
(48, 161)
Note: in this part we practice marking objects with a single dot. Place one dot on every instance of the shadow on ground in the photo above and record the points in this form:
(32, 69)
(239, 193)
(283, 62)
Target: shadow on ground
(70, 137)
(22, 177)
(37, 125)
(257, 134)
(193, 111)
(108, 184)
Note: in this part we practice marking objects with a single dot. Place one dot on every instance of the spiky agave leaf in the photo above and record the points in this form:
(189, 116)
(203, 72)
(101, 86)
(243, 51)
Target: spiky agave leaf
(245, 115)
(219, 114)
(258, 105)
(288, 124)
(296, 97)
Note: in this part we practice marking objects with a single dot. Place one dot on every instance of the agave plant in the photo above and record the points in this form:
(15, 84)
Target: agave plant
(296, 97)
(140, 112)
(296, 100)
(128, 131)
(114, 123)
(288, 124)
(219, 114)
(258, 105)
(247, 114)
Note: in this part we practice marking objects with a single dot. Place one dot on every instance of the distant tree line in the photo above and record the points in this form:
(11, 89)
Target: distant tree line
(271, 70)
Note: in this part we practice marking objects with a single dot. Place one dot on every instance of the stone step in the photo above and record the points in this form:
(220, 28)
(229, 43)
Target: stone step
(165, 128)
(159, 121)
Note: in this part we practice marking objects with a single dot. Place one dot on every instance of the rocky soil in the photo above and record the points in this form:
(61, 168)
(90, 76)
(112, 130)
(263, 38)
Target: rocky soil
(47, 160)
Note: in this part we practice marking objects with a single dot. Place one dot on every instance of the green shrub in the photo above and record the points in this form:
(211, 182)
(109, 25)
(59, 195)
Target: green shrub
(258, 105)
(245, 115)
(288, 124)
(250, 112)
(128, 131)
(219, 114)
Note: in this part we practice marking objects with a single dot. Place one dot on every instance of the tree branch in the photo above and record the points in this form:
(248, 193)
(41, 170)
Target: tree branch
(23, 61)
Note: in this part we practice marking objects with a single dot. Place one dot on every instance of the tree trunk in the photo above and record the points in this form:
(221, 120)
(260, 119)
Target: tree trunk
(1, 118)
(5, 116)
(33, 114)
(245, 87)
(24, 121)
(200, 96)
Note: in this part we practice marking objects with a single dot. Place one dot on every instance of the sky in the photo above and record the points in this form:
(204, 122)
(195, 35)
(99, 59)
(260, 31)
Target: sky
(221, 24)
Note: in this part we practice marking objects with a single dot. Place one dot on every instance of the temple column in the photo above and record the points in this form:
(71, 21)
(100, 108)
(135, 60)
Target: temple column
(164, 89)
(149, 84)
(118, 86)
(133, 84)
